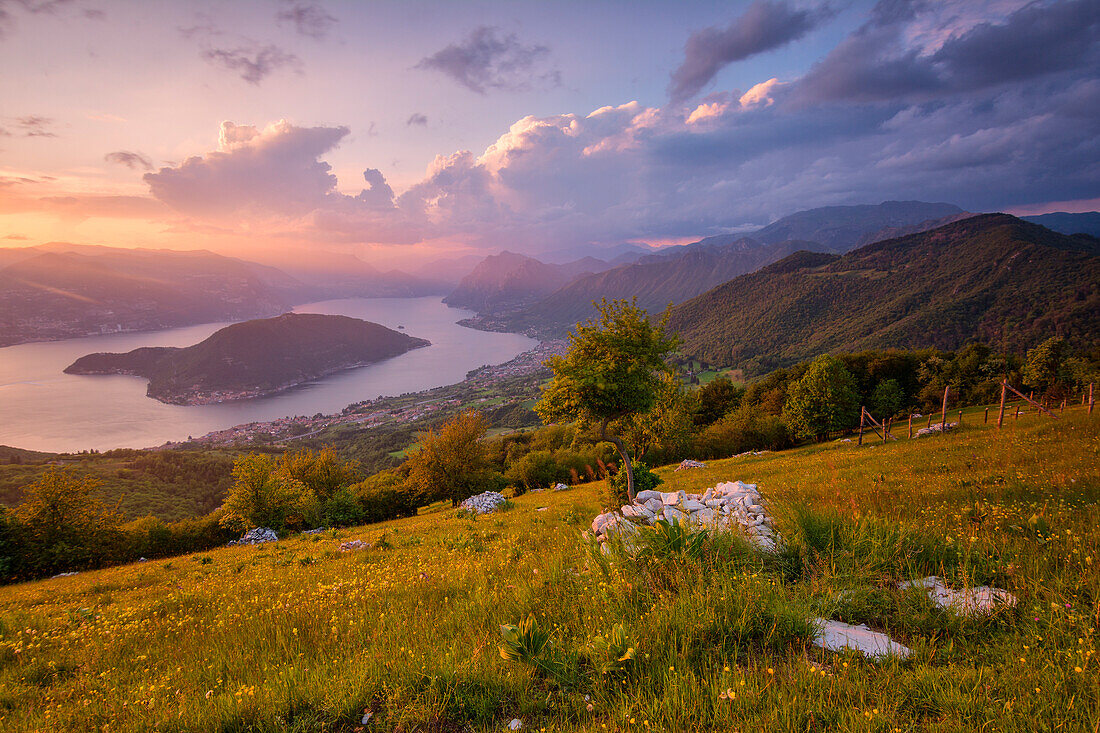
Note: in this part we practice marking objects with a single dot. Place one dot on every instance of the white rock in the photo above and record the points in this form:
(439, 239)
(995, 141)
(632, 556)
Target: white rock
(671, 499)
(655, 505)
(694, 505)
(645, 496)
(485, 502)
(515, 724)
(672, 513)
(977, 601)
(837, 635)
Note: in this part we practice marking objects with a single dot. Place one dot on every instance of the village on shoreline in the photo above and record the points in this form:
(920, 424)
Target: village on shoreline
(486, 386)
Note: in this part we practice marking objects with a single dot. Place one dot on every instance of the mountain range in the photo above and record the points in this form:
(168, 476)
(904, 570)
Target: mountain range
(254, 358)
(991, 278)
(508, 280)
(61, 290)
(538, 304)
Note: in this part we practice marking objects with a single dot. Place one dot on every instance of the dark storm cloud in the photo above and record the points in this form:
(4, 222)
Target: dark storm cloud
(766, 25)
(487, 60)
(874, 63)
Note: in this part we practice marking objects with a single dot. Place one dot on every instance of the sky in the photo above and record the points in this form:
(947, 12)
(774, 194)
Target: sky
(402, 131)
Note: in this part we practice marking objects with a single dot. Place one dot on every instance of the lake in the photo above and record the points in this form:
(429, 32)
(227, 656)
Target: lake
(42, 408)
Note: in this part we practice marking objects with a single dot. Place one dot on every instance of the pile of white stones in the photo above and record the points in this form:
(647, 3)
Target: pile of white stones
(256, 536)
(689, 463)
(968, 601)
(484, 503)
(937, 428)
(729, 506)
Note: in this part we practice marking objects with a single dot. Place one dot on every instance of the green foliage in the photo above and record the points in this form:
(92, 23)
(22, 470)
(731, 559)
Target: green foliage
(667, 538)
(611, 371)
(612, 654)
(666, 429)
(644, 480)
(1045, 365)
(823, 400)
(746, 428)
(263, 495)
(453, 462)
(64, 523)
(887, 400)
(322, 472)
(716, 399)
(385, 495)
(537, 469)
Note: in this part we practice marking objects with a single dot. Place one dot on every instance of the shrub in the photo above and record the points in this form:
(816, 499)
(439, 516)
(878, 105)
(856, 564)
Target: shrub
(453, 462)
(644, 480)
(747, 428)
(384, 496)
(264, 496)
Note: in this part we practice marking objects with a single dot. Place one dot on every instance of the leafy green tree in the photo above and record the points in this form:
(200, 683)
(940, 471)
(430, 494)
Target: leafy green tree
(823, 400)
(668, 426)
(65, 524)
(1044, 367)
(263, 495)
(887, 400)
(611, 372)
(322, 471)
(453, 462)
(716, 399)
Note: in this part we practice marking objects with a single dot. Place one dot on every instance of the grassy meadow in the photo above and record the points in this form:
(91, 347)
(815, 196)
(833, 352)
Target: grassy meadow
(297, 636)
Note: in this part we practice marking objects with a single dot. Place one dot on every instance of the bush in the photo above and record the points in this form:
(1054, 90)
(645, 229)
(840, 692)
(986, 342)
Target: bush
(383, 496)
(537, 469)
(453, 462)
(265, 496)
(644, 480)
(747, 428)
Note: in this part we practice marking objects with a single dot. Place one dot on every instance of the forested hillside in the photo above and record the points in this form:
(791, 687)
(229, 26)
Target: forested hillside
(990, 278)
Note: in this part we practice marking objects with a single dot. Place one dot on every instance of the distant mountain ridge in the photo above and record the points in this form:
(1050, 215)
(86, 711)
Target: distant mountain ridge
(254, 358)
(1065, 223)
(61, 290)
(508, 280)
(990, 278)
(676, 274)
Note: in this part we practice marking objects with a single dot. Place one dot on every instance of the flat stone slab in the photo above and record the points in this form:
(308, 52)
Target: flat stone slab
(837, 636)
(981, 600)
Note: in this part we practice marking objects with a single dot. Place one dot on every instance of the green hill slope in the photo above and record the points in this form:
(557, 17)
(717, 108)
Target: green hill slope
(299, 636)
(992, 278)
(254, 358)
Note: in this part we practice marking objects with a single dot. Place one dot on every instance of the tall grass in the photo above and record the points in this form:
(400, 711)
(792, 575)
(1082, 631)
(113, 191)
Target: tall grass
(297, 636)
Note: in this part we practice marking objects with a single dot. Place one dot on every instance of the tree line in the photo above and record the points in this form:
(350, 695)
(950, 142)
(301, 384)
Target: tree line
(615, 407)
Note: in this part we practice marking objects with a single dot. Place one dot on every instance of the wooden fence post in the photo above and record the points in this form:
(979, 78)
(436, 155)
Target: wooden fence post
(1063, 407)
(1001, 414)
(960, 418)
(1090, 398)
(943, 419)
(986, 420)
(929, 422)
(861, 411)
(910, 425)
(1017, 413)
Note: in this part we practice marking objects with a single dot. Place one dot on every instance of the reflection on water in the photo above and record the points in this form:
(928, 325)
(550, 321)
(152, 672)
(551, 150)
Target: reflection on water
(41, 408)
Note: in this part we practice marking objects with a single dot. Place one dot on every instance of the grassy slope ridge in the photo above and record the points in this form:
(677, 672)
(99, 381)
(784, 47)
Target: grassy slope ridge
(991, 278)
(289, 636)
(260, 355)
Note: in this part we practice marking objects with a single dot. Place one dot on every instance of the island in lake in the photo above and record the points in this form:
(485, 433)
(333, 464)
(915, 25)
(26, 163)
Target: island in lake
(254, 358)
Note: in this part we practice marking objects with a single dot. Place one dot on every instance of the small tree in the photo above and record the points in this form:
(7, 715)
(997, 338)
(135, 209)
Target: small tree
(1045, 365)
(612, 371)
(825, 399)
(263, 495)
(887, 400)
(453, 462)
(65, 524)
